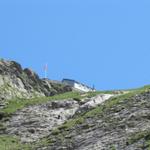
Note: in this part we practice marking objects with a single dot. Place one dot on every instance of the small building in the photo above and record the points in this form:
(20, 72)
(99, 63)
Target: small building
(77, 85)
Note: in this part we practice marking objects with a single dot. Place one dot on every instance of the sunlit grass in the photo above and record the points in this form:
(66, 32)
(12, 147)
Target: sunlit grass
(17, 104)
(12, 143)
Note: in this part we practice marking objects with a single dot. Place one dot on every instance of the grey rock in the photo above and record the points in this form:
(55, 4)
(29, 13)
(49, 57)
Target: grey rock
(16, 82)
(35, 122)
(113, 128)
(93, 102)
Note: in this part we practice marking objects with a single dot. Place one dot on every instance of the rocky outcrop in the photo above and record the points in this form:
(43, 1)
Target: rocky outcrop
(89, 103)
(16, 82)
(35, 122)
(121, 124)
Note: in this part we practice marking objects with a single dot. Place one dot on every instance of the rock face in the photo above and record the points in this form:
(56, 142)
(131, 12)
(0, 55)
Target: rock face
(24, 83)
(122, 126)
(92, 102)
(35, 122)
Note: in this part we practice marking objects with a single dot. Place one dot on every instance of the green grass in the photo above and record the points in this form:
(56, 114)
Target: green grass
(8, 142)
(12, 143)
(138, 136)
(17, 104)
(2, 127)
(112, 147)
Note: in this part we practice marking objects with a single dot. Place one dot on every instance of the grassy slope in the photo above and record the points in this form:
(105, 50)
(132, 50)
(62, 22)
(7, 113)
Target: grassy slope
(13, 143)
(16, 104)
(68, 126)
(100, 109)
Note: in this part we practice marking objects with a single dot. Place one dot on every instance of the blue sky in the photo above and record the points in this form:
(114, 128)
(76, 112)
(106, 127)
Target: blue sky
(100, 42)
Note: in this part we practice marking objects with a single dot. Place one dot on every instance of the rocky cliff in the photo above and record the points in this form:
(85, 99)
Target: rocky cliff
(16, 82)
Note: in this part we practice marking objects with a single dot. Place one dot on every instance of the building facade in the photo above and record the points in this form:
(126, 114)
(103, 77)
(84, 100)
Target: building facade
(77, 85)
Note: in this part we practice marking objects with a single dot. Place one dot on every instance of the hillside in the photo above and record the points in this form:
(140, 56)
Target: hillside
(38, 114)
(16, 82)
(121, 123)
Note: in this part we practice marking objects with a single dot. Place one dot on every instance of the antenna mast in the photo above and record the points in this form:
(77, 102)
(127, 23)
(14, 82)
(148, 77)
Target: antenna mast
(45, 70)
